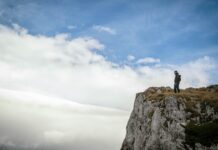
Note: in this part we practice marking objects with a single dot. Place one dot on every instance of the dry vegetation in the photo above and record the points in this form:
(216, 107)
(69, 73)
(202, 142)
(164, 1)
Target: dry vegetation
(204, 133)
(207, 95)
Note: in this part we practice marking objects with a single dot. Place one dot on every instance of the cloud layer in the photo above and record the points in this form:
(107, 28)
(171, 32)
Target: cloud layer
(74, 69)
(31, 122)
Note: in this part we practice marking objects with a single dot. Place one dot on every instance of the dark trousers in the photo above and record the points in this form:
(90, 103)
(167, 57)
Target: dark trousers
(176, 88)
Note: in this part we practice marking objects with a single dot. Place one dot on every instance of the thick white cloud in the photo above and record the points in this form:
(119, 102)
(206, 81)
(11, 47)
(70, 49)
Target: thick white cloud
(72, 68)
(194, 74)
(31, 121)
(197, 73)
(100, 28)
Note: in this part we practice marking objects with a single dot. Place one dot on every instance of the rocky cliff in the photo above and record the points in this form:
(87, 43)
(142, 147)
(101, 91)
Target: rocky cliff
(162, 120)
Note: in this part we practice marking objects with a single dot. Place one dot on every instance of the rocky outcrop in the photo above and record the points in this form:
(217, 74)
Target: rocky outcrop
(162, 120)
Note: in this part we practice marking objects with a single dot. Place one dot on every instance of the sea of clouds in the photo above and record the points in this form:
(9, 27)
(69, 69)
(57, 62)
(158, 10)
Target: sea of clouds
(74, 76)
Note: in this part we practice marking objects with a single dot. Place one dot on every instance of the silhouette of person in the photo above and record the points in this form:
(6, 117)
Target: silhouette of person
(177, 82)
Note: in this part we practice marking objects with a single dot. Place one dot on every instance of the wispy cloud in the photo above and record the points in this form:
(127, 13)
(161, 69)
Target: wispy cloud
(130, 57)
(1, 12)
(71, 27)
(148, 60)
(100, 28)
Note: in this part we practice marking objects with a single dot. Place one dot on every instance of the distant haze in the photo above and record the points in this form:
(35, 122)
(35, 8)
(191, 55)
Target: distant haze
(30, 121)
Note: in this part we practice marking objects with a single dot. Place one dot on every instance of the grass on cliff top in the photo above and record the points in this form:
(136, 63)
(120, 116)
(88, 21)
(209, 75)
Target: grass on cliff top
(191, 95)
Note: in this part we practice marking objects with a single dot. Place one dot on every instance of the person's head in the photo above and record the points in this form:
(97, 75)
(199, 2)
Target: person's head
(176, 72)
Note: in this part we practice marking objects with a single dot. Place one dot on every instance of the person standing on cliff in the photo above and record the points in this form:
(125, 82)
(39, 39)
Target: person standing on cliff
(177, 81)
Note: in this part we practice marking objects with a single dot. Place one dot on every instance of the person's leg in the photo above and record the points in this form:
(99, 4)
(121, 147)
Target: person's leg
(175, 88)
(178, 88)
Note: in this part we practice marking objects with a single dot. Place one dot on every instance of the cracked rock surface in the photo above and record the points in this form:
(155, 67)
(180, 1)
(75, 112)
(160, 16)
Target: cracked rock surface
(162, 120)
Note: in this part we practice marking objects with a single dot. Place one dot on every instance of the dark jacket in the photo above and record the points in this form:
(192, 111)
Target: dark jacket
(177, 78)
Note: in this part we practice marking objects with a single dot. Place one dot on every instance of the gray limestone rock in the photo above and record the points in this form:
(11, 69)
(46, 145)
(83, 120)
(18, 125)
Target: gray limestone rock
(159, 120)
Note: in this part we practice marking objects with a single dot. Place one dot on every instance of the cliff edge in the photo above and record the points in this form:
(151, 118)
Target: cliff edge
(162, 120)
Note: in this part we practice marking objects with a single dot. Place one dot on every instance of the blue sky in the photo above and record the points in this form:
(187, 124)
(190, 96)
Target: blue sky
(174, 31)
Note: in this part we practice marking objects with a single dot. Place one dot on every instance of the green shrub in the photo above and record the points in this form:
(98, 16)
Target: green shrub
(205, 134)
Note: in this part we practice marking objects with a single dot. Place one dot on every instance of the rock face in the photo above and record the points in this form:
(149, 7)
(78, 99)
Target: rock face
(162, 120)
